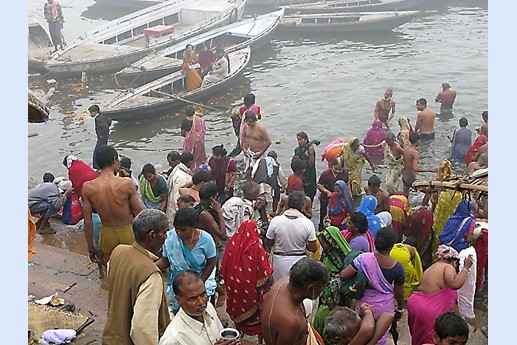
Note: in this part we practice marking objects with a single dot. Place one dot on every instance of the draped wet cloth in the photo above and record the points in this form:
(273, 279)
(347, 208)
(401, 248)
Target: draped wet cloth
(423, 310)
(354, 162)
(375, 135)
(474, 148)
(367, 207)
(245, 268)
(412, 267)
(181, 258)
(339, 207)
(79, 172)
(405, 130)
(395, 168)
(381, 296)
(194, 141)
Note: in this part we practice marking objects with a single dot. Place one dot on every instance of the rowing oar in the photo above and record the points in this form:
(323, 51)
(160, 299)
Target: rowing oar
(185, 100)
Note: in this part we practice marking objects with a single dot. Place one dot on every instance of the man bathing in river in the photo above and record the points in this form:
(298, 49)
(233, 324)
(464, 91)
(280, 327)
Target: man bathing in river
(115, 200)
(383, 107)
(446, 98)
(424, 120)
(257, 137)
(411, 166)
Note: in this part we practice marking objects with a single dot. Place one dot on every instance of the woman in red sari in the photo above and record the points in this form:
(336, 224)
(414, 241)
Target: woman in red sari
(474, 148)
(247, 274)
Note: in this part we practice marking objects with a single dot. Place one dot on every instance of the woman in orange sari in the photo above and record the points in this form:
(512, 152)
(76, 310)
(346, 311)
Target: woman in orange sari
(192, 78)
(247, 274)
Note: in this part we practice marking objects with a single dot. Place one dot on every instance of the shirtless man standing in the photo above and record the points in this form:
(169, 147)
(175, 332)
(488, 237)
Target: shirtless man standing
(115, 200)
(374, 188)
(383, 107)
(411, 166)
(484, 128)
(424, 120)
(284, 318)
(446, 98)
(258, 139)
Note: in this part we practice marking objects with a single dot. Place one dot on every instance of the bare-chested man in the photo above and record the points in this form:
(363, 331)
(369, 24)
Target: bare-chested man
(393, 159)
(446, 98)
(411, 166)
(284, 318)
(255, 134)
(374, 188)
(383, 107)
(115, 200)
(424, 120)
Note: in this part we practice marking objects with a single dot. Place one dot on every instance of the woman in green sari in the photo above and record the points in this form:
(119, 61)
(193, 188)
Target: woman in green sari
(355, 156)
(153, 188)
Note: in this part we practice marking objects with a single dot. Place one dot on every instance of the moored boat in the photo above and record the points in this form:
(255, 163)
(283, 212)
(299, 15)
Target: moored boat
(39, 44)
(123, 41)
(167, 93)
(338, 6)
(250, 31)
(360, 22)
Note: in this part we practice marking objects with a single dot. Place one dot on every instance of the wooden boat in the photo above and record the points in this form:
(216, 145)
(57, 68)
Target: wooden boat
(252, 31)
(262, 3)
(359, 22)
(338, 6)
(163, 95)
(117, 44)
(39, 45)
(37, 111)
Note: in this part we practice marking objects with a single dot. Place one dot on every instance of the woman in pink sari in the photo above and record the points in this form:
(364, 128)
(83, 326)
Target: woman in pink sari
(385, 277)
(193, 129)
(375, 135)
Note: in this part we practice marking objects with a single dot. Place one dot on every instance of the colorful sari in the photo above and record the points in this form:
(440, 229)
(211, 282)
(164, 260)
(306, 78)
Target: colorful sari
(448, 200)
(354, 163)
(423, 310)
(455, 231)
(181, 259)
(395, 168)
(420, 227)
(381, 297)
(405, 130)
(412, 267)
(192, 78)
(246, 269)
(367, 207)
(335, 248)
(400, 210)
(371, 240)
(375, 135)
(474, 148)
(194, 141)
(146, 191)
(339, 207)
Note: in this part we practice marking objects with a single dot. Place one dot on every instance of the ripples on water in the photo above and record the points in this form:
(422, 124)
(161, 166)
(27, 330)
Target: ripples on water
(326, 86)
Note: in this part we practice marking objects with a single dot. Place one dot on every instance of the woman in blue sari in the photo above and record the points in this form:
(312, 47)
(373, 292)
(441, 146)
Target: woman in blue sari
(367, 207)
(188, 248)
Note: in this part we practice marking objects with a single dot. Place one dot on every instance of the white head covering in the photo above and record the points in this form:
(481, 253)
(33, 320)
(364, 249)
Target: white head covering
(63, 183)
(385, 217)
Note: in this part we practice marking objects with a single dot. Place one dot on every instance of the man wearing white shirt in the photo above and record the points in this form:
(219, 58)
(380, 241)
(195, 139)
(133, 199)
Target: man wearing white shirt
(179, 176)
(196, 323)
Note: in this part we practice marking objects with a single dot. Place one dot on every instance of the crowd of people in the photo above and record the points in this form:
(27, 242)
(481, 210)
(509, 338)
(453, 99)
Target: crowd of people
(248, 240)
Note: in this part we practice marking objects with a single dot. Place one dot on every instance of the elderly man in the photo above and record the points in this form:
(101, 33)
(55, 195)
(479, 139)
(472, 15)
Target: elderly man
(284, 316)
(196, 323)
(344, 325)
(446, 98)
(291, 234)
(137, 309)
(383, 108)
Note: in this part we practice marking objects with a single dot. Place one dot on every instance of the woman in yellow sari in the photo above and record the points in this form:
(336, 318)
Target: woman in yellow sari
(354, 157)
(192, 78)
(410, 259)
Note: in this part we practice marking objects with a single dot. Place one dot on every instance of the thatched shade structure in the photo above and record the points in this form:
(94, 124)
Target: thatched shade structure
(476, 184)
(38, 112)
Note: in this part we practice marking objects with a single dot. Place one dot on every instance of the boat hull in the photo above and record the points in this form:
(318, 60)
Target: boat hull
(135, 77)
(350, 6)
(366, 26)
(158, 106)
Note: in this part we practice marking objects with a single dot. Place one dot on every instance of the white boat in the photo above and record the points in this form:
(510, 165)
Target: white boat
(167, 93)
(39, 45)
(338, 6)
(360, 22)
(117, 44)
(251, 32)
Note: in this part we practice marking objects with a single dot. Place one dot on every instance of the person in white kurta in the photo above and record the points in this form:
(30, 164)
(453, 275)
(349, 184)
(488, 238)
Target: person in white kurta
(219, 69)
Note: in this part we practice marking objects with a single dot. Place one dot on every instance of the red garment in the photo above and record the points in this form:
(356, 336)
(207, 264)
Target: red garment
(481, 247)
(256, 109)
(474, 148)
(245, 269)
(421, 227)
(219, 168)
(294, 182)
(338, 218)
(206, 59)
(79, 173)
